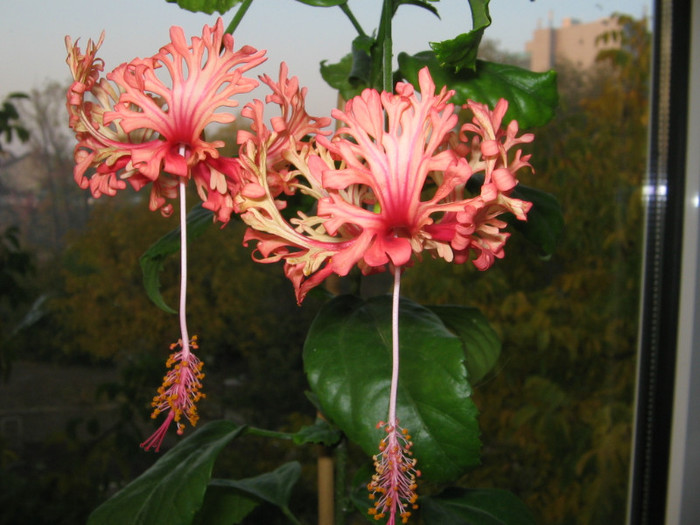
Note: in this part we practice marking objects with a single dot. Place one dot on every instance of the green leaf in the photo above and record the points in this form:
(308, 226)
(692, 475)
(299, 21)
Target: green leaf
(358, 490)
(321, 432)
(418, 3)
(198, 219)
(206, 6)
(223, 506)
(353, 73)
(481, 18)
(480, 342)
(338, 76)
(172, 490)
(545, 220)
(347, 358)
(272, 487)
(460, 52)
(458, 506)
(323, 3)
(361, 70)
(532, 97)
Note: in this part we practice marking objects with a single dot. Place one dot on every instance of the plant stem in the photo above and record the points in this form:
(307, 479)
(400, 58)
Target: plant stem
(341, 494)
(238, 16)
(269, 433)
(384, 38)
(346, 9)
(394, 346)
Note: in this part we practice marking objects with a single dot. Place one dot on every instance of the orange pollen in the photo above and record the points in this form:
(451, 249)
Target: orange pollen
(393, 486)
(181, 386)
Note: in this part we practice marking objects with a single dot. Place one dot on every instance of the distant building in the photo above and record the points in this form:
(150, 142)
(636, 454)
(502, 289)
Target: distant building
(573, 42)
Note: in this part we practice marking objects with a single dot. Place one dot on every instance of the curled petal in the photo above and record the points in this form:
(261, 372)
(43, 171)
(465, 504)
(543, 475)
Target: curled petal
(148, 127)
(389, 184)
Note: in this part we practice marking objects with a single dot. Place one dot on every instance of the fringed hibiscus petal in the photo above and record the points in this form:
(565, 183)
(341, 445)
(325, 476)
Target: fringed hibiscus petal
(390, 183)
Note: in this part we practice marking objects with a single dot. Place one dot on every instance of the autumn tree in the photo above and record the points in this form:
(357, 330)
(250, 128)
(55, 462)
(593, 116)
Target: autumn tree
(557, 415)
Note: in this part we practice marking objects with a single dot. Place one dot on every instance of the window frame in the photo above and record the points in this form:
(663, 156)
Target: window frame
(664, 469)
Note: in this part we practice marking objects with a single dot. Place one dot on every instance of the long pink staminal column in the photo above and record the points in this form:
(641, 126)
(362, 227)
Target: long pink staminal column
(394, 345)
(144, 124)
(393, 486)
(181, 385)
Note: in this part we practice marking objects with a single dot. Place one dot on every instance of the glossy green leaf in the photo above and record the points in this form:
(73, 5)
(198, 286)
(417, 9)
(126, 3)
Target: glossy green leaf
(479, 341)
(460, 52)
(321, 432)
(458, 506)
(206, 6)
(224, 506)
(532, 97)
(172, 490)
(347, 358)
(272, 487)
(198, 219)
(545, 220)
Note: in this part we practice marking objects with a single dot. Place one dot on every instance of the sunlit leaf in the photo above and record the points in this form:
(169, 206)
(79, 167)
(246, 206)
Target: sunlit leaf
(206, 6)
(532, 97)
(481, 344)
(458, 506)
(172, 490)
(152, 261)
(460, 52)
(347, 358)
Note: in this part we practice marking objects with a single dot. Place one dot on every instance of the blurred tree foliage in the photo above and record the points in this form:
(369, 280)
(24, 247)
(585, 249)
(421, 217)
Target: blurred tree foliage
(251, 333)
(16, 271)
(10, 127)
(557, 415)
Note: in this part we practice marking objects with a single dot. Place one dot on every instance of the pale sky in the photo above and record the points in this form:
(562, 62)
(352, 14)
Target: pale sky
(32, 32)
